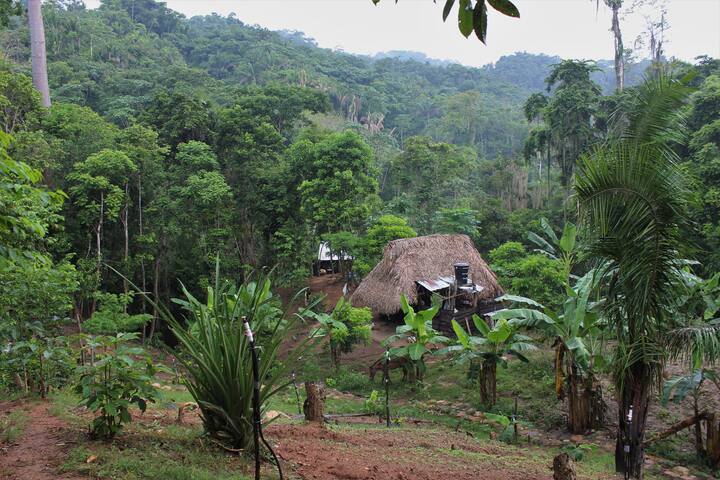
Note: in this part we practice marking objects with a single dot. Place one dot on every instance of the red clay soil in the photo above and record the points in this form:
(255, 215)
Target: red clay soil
(373, 453)
(40, 450)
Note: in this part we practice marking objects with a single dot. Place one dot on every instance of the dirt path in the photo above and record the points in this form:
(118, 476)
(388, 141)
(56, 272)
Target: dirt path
(40, 450)
(410, 453)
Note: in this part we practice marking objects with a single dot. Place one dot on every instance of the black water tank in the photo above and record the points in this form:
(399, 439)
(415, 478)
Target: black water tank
(461, 273)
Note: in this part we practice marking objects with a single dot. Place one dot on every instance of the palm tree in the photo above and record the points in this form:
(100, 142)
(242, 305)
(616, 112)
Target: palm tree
(37, 50)
(632, 204)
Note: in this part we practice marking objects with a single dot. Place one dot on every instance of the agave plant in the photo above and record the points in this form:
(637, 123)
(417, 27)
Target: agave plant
(217, 358)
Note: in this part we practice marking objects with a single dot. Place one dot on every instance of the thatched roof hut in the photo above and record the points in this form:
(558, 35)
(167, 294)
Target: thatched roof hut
(409, 260)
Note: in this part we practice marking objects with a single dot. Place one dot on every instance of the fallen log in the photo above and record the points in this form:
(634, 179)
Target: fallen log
(675, 428)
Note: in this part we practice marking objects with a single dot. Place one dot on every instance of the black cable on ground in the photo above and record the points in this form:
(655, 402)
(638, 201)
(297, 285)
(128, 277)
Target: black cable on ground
(257, 425)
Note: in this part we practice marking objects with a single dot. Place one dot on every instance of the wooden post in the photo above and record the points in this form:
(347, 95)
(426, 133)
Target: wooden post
(563, 468)
(315, 401)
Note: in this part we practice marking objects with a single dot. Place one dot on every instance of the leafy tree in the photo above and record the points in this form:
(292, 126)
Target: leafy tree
(100, 190)
(179, 117)
(564, 122)
(384, 230)
(457, 220)
(27, 210)
(342, 188)
(346, 327)
(120, 376)
(19, 101)
(9, 8)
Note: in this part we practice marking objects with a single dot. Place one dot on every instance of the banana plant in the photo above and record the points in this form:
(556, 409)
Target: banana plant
(491, 347)
(419, 335)
(578, 331)
(562, 249)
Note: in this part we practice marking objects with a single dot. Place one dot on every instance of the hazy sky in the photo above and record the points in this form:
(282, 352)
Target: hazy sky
(568, 28)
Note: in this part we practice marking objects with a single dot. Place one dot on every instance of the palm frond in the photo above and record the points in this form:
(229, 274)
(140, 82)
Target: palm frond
(697, 344)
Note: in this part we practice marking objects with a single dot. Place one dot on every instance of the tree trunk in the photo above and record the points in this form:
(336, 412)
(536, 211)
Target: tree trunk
(619, 49)
(315, 401)
(126, 232)
(586, 407)
(563, 468)
(578, 405)
(632, 415)
(560, 349)
(488, 390)
(712, 448)
(699, 446)
(98, 233)
(143, 279)
(335, 356)
(156, 295)
(37, 50)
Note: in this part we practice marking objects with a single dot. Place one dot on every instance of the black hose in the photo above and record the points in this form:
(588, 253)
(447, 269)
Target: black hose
(257, 425)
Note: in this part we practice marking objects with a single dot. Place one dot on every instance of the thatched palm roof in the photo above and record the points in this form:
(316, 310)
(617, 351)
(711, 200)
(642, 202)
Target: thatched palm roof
(407, 260)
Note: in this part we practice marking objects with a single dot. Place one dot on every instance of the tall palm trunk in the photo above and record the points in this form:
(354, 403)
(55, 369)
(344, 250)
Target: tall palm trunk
(634, 397)
(619, 49)
(37, 50)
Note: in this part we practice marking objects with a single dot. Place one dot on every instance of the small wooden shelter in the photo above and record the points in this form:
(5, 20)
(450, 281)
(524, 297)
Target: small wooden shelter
(422, 266)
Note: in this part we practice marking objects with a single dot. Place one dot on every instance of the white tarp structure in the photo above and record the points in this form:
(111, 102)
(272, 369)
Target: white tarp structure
(325, 256)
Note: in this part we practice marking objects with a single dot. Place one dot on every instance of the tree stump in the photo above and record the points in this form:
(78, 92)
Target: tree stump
(315, 401)
(563, 468)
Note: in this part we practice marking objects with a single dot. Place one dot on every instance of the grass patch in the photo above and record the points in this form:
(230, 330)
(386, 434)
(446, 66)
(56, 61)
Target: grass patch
(172, 453)
(12, 425)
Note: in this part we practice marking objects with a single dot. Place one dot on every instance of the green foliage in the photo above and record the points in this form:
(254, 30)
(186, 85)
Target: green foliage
(19, 101)
(373, 404)
(346, 380)
(633, 205)
(111, 317)
(425, 175)
(530, 275)
(577, 451)
(119, 376)
(566, 130)
(27, 209)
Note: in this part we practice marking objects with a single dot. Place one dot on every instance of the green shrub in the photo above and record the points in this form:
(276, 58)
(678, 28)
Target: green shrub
(349, 381)
(531, 275)
(111, 316)
(372, 403)
(36, 364)
(119, 376)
